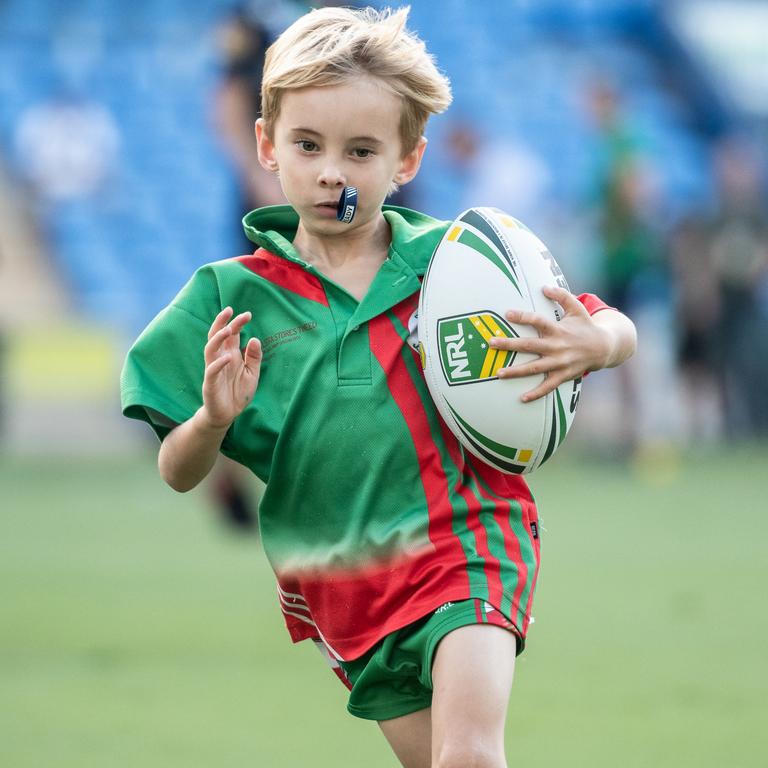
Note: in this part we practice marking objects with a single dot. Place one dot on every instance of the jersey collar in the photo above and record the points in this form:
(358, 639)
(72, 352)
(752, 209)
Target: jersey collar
(414, 235)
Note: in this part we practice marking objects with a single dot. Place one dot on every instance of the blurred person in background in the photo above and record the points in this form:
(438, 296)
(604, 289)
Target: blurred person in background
(500, 171)
(698, 313)
(633, 264)
(243, 39)
(67, 147)
(738, 249)
(634, 274)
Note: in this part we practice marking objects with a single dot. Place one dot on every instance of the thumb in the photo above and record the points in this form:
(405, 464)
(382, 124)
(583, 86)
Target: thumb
(253, 353)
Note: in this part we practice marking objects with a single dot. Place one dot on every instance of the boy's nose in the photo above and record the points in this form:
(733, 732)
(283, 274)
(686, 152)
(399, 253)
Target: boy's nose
(332, 177)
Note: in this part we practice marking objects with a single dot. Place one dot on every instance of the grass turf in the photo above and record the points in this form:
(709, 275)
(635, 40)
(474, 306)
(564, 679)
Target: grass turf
(135, 631)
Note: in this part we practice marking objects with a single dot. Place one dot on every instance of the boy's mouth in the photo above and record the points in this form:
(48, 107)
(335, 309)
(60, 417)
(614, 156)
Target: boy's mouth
(327, 208)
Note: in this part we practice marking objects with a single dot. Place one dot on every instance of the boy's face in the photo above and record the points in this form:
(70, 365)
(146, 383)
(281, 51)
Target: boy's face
(329, 137)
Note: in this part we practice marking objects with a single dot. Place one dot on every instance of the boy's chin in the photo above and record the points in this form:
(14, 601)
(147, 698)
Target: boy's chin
(323, 226)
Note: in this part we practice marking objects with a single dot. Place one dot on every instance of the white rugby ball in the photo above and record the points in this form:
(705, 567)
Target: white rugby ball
(486, 264)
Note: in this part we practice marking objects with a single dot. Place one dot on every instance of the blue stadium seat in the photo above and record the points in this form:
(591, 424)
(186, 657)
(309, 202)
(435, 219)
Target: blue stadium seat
(518, 68)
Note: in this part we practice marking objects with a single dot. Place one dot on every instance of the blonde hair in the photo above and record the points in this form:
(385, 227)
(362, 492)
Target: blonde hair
(332, 45)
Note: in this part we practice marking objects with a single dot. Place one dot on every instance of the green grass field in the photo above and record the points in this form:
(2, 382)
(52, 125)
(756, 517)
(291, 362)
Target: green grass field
(135, 631)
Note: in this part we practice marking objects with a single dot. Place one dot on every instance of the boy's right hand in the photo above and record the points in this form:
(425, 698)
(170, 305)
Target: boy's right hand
(231, 376)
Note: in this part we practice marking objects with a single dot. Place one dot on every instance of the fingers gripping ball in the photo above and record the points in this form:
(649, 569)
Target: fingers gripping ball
(486, 264)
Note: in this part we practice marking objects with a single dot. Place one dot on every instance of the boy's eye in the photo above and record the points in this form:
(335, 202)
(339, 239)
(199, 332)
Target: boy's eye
(361, 152)
(305, 145)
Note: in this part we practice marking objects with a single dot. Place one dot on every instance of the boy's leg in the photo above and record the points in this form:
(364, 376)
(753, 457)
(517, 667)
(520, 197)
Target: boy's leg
(410, 738)
(472, 679)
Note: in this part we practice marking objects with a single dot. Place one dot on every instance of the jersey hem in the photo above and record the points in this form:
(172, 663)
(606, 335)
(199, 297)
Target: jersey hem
(345, 652)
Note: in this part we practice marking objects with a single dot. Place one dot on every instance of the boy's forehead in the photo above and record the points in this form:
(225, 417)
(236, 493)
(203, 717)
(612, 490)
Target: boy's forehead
(359, 108)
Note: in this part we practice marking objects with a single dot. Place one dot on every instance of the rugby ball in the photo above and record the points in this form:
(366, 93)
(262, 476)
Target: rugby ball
(487, 264)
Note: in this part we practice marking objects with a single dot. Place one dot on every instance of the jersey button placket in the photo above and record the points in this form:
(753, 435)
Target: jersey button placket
(355, 356)
(353, 352)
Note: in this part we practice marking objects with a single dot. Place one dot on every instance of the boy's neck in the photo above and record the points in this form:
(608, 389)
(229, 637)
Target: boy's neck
(370, 240)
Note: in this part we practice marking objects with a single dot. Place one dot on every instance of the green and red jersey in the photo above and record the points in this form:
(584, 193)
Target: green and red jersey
(373, 515)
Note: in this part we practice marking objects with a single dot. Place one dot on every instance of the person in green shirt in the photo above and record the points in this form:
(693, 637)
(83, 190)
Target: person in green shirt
(411, 564)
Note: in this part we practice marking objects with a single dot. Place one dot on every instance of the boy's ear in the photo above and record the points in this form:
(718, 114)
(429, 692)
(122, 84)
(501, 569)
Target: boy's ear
(410, 164)
(266, 149)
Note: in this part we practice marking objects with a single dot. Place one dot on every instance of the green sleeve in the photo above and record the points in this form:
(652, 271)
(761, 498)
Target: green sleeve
(162, 378)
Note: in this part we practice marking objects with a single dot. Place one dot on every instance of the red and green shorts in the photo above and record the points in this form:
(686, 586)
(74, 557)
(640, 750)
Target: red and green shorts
(394, 677)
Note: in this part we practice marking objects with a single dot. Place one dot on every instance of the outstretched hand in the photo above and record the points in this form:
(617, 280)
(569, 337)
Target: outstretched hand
(231, 376)
(565, 349)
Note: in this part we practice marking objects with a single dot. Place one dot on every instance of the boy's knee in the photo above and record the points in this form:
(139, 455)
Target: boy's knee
(469, 754)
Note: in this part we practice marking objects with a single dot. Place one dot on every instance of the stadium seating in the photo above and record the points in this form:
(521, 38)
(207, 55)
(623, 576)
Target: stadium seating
(170, 202)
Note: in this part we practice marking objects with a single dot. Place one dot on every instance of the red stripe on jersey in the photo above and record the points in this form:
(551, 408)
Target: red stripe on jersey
(286, 274)
(530, 514)
(492, 566)
(505, 487)
(514, 486)
(406, 308)
(387, 346)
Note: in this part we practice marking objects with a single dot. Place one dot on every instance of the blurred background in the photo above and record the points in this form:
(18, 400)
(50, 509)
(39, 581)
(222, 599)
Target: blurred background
(138, 626)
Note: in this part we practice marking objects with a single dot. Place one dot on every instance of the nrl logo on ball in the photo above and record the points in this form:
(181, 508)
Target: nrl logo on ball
(465, 355)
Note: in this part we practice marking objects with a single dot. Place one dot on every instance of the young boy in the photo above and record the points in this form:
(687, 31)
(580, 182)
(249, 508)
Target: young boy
(411, 564)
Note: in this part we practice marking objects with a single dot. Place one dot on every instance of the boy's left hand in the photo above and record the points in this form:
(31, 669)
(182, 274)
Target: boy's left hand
(566, 349)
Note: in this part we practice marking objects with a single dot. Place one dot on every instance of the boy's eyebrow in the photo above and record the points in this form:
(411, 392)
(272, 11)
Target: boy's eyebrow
(363, 139)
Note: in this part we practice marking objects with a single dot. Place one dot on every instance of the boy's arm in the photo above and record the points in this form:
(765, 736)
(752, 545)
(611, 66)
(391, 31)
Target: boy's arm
(570, 348)
(189, 451)
(621, 337)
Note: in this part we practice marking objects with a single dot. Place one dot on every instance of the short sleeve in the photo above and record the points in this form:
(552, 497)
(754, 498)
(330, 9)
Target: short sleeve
(162, 378)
